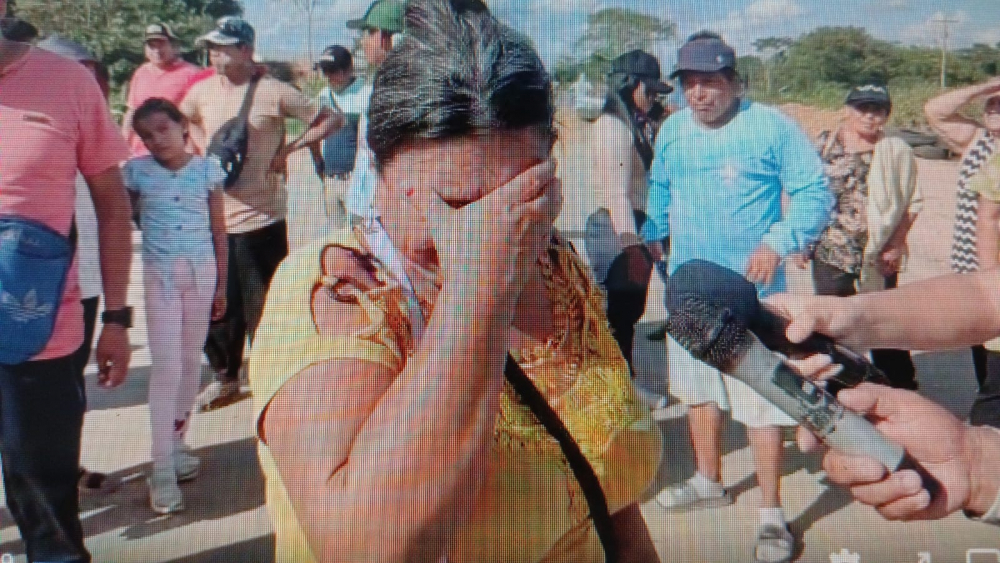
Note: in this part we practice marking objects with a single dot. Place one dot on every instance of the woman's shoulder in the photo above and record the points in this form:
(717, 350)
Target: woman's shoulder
(338, 291)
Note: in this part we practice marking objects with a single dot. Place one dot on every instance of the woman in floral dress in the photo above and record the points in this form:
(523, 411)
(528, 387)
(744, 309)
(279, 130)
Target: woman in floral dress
(873, 178)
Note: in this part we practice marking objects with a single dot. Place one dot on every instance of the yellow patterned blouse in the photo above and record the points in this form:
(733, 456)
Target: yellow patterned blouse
(531, 507)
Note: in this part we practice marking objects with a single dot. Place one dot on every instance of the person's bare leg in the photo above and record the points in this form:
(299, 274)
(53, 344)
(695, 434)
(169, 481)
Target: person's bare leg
(705, 421)
(767, 453)
(774, 541)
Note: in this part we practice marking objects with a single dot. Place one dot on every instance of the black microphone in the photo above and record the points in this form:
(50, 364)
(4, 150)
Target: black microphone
(718, 336)
(726, 287)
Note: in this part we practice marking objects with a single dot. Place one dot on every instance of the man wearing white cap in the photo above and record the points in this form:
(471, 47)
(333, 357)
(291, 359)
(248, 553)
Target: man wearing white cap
(256, 200)
(163, 75)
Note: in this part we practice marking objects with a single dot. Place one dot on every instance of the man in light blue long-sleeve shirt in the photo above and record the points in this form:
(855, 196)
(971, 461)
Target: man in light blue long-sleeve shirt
(720, 168)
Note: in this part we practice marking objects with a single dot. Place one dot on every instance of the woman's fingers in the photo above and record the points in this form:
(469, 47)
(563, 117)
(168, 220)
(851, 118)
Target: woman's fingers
(525, 187)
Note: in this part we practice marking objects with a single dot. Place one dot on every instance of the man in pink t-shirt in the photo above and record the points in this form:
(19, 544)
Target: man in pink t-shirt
(54, 123)
(164, 75)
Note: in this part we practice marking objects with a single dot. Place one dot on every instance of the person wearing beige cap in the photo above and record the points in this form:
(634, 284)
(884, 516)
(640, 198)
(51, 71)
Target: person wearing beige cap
(163, 75)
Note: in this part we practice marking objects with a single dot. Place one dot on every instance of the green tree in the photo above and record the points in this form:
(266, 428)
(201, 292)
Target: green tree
(773, 50)
(307, 7)
(611, 32)
(113, 29)
(839, 55)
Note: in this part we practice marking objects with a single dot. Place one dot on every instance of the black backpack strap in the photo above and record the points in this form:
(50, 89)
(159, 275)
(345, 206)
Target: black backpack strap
(582, 469)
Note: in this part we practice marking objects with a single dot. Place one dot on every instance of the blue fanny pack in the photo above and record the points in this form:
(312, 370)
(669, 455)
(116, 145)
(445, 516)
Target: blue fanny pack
(34, 262)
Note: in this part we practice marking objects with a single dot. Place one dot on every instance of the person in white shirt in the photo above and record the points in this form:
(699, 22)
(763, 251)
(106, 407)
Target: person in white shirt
(335, 158)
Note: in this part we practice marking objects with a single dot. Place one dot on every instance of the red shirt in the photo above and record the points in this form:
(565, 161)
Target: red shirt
(54, 121)
(151, 81)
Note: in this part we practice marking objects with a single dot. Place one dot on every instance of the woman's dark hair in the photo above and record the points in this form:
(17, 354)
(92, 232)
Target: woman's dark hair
(620, 104)
(158, 105)
(457, 72)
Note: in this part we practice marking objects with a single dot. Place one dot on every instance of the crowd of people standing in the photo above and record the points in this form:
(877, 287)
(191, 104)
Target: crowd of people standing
(440, 191)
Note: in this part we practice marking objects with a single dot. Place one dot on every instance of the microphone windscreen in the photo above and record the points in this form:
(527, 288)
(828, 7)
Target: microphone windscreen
(710, 333)
(716, 284)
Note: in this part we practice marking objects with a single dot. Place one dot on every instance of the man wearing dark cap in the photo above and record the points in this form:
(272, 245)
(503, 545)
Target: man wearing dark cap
(256, 204)
(379, 27)
(720, 169)
(621, 150)
(335, 160)
(163, 75)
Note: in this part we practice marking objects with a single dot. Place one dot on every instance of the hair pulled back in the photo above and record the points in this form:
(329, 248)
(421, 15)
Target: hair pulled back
(457, 71)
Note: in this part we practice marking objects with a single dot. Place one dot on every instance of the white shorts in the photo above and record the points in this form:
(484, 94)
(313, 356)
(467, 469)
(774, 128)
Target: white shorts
(694, 382)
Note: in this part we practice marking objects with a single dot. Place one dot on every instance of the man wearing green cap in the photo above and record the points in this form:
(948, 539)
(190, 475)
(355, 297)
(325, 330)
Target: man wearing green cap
(380, 24)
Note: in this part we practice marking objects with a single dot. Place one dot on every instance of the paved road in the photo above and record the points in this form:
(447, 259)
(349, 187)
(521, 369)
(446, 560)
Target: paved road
(226, 520)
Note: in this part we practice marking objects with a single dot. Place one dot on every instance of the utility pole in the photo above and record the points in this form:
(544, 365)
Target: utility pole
(944, 47)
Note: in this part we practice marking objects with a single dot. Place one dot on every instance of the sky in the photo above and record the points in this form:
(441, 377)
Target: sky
(555, 24)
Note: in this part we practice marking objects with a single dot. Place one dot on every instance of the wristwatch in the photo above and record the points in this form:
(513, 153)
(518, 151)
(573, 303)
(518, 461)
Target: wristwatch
(121, 317)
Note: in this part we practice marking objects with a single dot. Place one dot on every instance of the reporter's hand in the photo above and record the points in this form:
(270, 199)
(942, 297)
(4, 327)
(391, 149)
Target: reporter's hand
(113, 355)
(493, 242)
(931, 435)
(836, 317)
(762, 264)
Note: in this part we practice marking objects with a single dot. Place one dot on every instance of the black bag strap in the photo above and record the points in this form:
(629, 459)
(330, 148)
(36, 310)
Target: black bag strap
(244, 114)
(582, 469)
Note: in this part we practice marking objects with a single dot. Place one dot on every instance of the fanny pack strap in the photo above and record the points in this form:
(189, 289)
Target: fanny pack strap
(582, 469)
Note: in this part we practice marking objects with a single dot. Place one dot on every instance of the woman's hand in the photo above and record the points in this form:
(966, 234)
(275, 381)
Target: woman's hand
(890, 260)
(491, 244)
(219, 304)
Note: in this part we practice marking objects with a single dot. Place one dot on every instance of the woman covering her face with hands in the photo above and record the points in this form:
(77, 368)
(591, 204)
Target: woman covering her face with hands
(388, 429)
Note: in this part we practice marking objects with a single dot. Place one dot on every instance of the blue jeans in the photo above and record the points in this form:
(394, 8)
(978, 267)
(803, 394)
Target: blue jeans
(41, 421)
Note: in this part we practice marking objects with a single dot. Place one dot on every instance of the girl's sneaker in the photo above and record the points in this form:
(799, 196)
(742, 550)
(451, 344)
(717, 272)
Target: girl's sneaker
(186, 464)
(164, 494)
